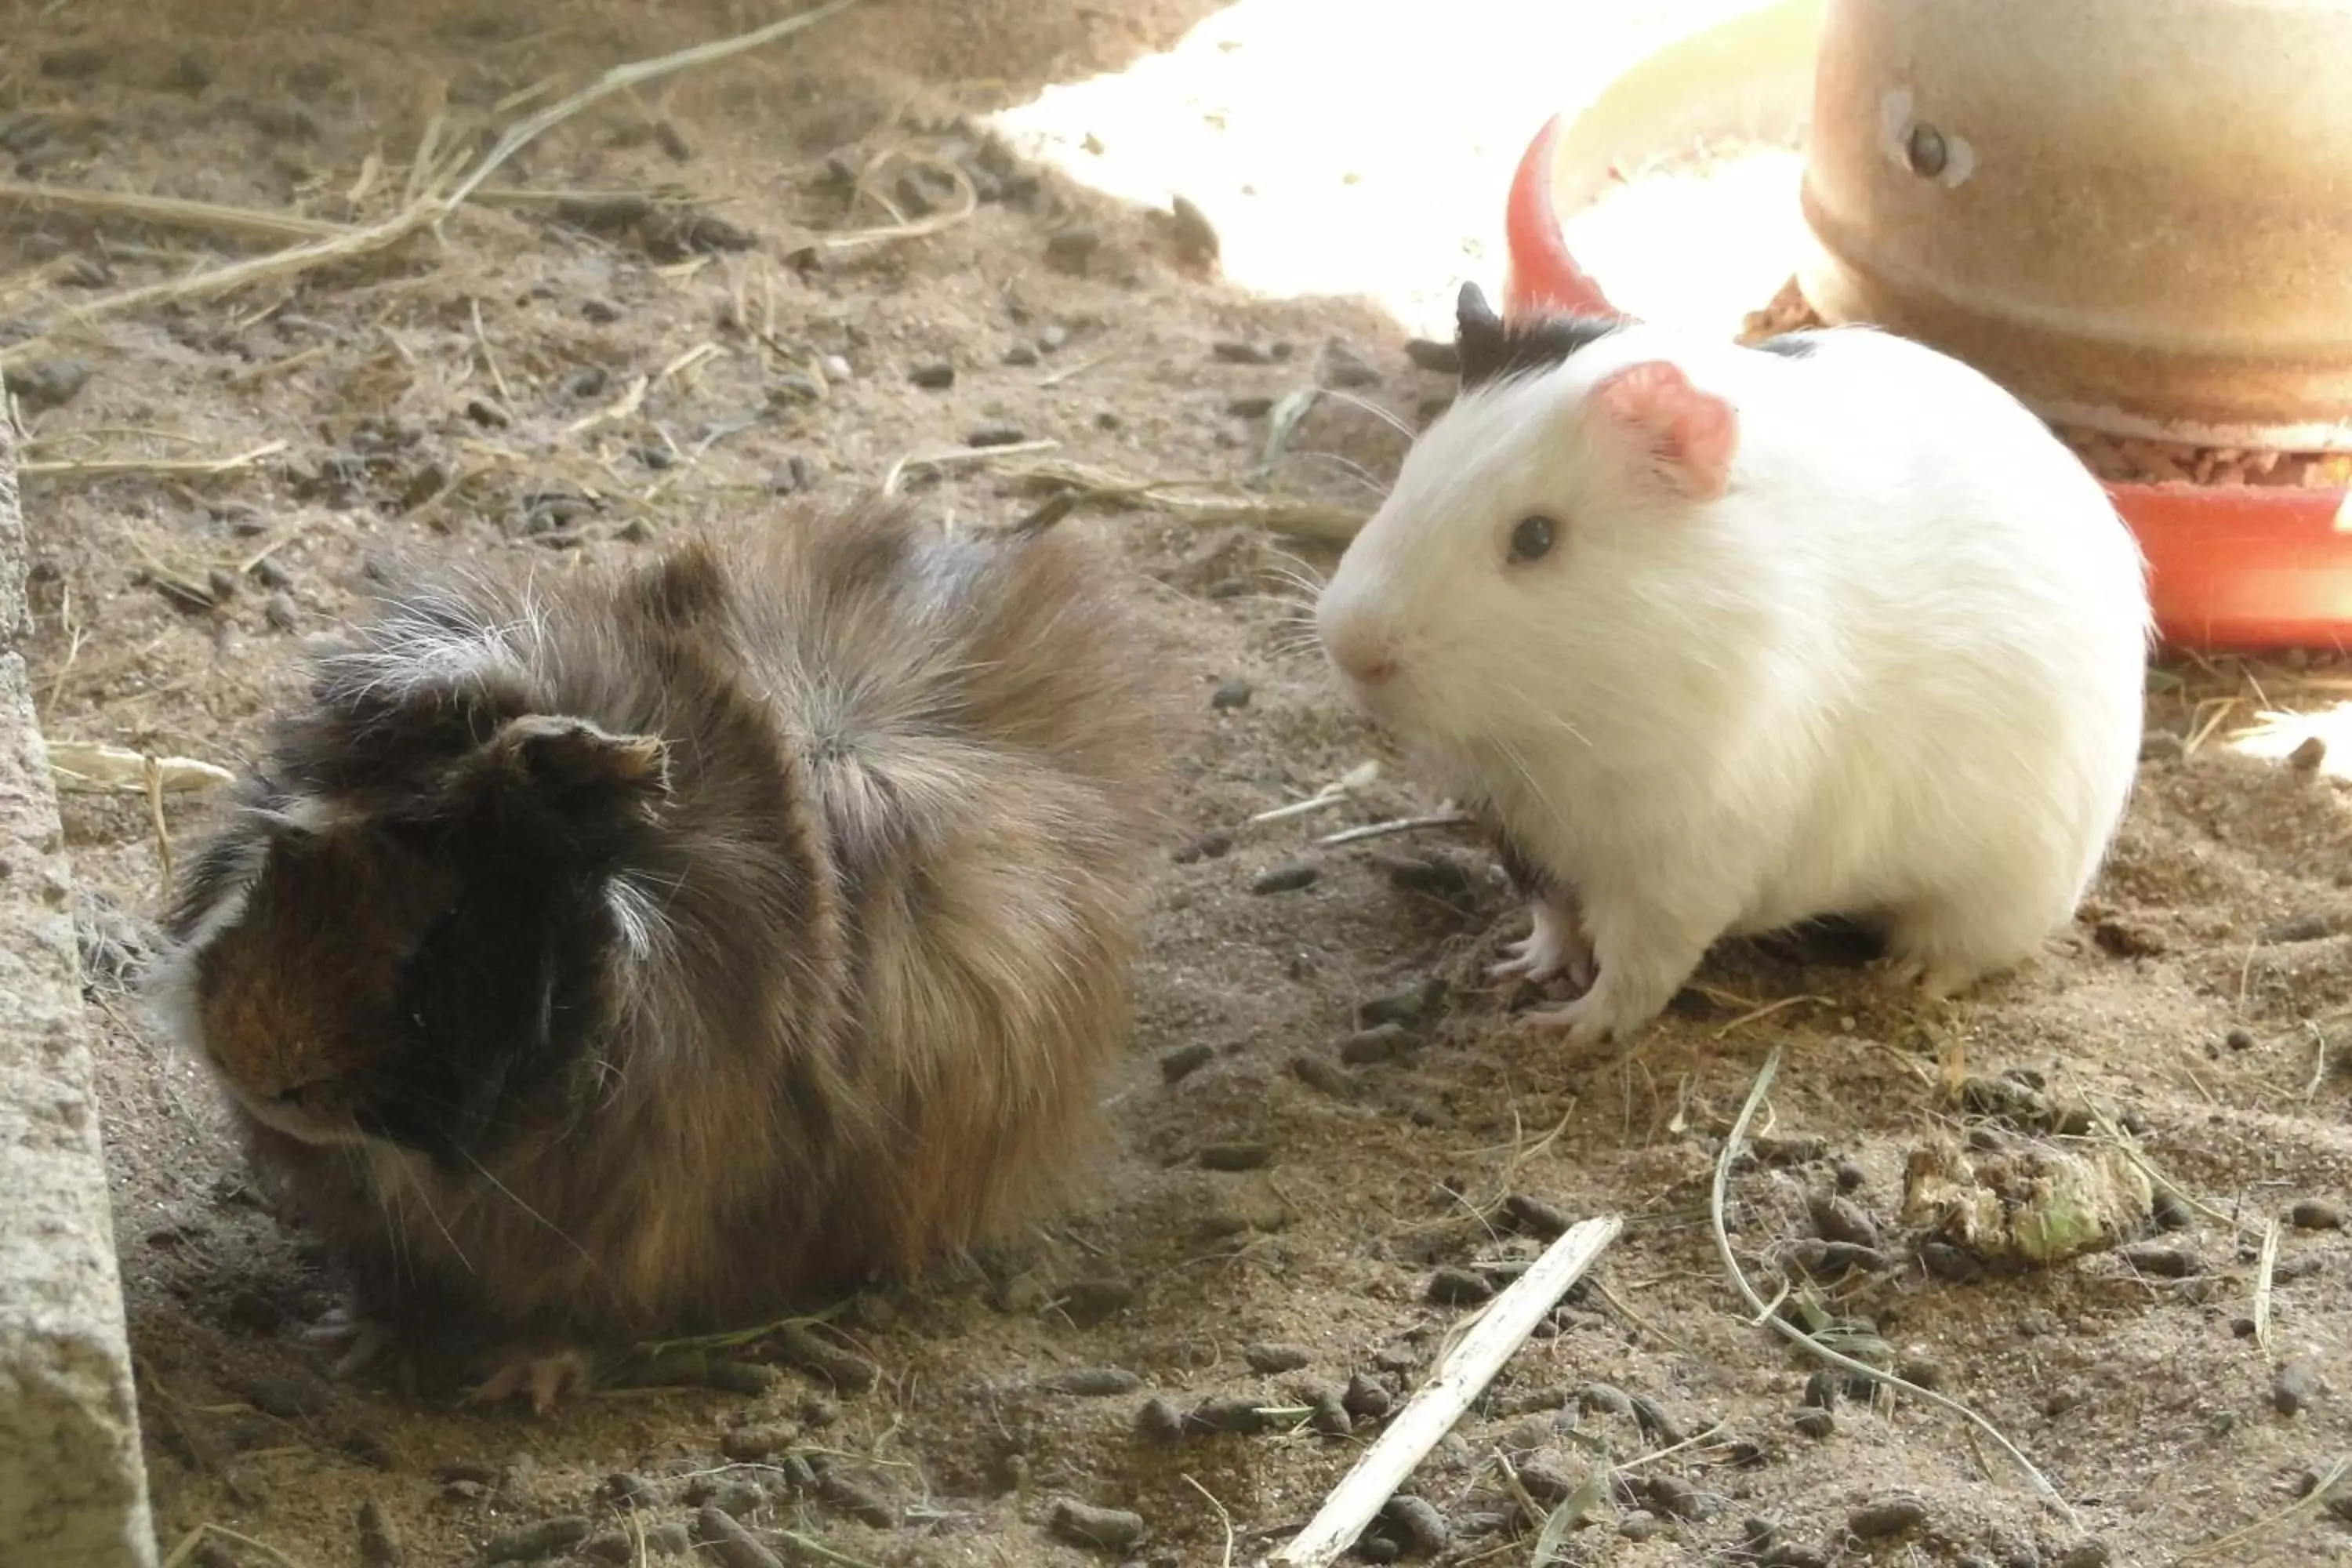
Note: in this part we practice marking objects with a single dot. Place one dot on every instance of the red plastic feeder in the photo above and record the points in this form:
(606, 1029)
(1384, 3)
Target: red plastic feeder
(2231, 567)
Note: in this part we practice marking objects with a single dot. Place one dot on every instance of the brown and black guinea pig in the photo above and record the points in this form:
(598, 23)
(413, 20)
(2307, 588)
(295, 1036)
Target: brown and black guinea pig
(607, 954)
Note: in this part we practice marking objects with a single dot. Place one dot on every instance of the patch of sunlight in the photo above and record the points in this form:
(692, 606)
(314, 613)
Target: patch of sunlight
(1368, 149)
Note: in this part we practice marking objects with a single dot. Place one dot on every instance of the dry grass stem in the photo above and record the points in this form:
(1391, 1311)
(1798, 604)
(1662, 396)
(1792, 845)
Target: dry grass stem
(427, 206)
(1224, 1517)
(2311, 1502)
(952, 455)
(91, 768)
(2265, 1272)
(187, 468)
(1359, 777)
(1813, 1346)
(170, 212)
(1208, 502)
(1436, 820)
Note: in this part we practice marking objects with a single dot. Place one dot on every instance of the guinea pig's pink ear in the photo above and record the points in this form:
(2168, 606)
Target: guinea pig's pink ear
(1690, 435)
(552, 755)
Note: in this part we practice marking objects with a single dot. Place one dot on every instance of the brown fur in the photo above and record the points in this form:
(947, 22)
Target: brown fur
(899, 811)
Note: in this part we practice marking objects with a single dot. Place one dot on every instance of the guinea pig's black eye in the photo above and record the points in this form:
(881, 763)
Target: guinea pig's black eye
(1531, 538)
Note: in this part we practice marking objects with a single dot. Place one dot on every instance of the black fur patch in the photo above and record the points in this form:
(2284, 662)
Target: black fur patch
(1828, 942)
(503, 992)
(1491, 348)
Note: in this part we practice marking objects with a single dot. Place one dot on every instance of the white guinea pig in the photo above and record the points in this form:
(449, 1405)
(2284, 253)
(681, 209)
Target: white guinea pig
(1727, 638)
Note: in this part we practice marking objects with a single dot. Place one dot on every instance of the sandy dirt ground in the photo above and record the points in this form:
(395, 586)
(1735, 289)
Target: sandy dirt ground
(654, 317)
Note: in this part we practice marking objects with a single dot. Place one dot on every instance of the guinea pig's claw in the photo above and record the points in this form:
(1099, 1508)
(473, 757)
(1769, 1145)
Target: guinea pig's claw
(545, 1378)
(361, 1340)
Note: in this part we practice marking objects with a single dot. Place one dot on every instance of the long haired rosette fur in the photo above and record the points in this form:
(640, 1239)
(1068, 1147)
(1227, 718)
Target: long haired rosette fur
(617, 952)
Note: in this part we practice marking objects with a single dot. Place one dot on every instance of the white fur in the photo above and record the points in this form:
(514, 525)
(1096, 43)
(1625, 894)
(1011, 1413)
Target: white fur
(1897, 667)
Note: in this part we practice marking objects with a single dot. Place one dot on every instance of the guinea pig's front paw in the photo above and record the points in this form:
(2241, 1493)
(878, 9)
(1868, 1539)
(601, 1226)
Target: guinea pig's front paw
(1595, 1018)
(544, 1376)
(1557, 946)
(357, 1338)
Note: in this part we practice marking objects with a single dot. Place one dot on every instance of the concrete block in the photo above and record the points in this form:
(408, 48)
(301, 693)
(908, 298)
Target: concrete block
(73, 1489)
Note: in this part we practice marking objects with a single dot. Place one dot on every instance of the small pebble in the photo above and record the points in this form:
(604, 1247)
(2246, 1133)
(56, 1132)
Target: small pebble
(732, 1546)
(1319, 1074)
(1366, 1046)
(1842, 1219)
(1822, 1390)
(1675, 1498)
(1073, 250)
(1366, 1398)
(1536, 1218)
(1430, 355)
(836, 369)
(1330, 1416)
(1662, 1429)
(1378, 1549)
(1439, 876)
(996, 433)
(1021, 354)
(288, 1398)
(1213, 845)
(2307, 757)
(1235, 1413)
(1638, 1526)
(47, 384)
(1235, 1156)
(1087, 1302)
(1289, 878)
(379, 1541)
(1344, 369)
(1159, 1420)
(933, 375)
(1888, 1516)
(1814, 1422)
(280, 611)
(750, 1444)
(1451, 1287)
(2092, 1553)
(2239, 1040)
(858, 1500)
(2170, 1213)
(2296, 928)
(1234, 351)
(625, 1490)
(1269, 1360)
(1185, 1060)
(1850, 1175)
(534, 1541)
(1052, 338)
(1419, 1520)
(1253, 406)
(1920, 1371)
(74, 63)
(1111, 1529)
(791, 388)
(1091, 1381)
(1230, 695)
(1402, 1007)
(2316, 1213)
(2294, 1387)
(2165, 1262)
(1547, 1486)
(601, 311)
(1196, 236)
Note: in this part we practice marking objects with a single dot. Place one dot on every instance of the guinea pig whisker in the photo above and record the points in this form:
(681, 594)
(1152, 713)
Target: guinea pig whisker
(1350, 469)
(509, 1194)
(1388, 416)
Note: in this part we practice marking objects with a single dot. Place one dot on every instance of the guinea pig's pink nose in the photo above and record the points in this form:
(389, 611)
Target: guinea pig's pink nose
(1362, 649)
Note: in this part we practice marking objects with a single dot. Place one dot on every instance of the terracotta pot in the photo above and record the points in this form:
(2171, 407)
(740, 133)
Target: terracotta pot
(2231, 566)
(2136, 214)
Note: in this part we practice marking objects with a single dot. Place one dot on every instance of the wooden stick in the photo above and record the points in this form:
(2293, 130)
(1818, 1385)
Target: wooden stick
(1460, 1378)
